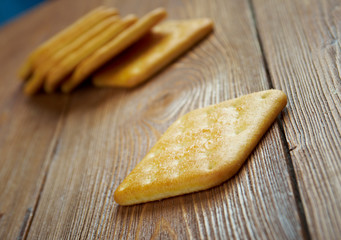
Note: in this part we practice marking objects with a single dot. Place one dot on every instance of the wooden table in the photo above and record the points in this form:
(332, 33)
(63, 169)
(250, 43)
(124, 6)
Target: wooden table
(62, 156)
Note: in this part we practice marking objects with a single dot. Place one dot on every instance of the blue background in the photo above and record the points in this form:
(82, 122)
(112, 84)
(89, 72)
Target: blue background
(10, 9)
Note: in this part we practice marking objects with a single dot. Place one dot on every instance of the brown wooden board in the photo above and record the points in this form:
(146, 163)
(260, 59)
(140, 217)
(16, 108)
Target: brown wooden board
(106, 132)
(301, 42)
(63, 156)
(29, 128)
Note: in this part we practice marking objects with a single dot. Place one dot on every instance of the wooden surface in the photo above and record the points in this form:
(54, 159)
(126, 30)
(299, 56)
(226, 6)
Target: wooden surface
(62, 156)
(311, 78)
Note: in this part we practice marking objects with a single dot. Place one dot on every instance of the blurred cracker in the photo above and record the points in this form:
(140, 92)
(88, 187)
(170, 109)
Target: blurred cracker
(37, 80)
(64, 37)
(67, 65)
(163, 44)
(114, 47)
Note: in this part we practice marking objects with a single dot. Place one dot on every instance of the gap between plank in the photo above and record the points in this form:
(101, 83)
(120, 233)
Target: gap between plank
(26, 226)
(289, 162)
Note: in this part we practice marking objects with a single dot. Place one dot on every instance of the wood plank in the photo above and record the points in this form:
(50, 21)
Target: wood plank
(107, 131)
(29, 128)
(301, 40)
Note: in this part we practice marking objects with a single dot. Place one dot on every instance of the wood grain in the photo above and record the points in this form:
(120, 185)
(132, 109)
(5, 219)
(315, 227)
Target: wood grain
(105, 132)
(29, 128)
(301, 41)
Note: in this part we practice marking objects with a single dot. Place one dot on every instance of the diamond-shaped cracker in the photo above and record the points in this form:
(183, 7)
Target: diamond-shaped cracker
(202, 149)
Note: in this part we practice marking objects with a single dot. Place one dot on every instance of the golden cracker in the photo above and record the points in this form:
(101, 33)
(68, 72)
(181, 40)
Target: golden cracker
(202, 149)
(165, 42)
(35, 83)
(26, 68)
(82, 29)
(67, 65)
(113, 48)
(84, 38)
(64, 37)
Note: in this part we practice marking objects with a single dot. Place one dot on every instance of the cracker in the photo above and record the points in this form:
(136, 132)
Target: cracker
(84, 38)
(68, 64)
(165, 42)
(64, 37)
(202, 149)
(37, 80)
(113, 48)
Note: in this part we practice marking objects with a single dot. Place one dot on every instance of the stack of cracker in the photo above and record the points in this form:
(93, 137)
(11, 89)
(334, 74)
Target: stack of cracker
(74, 54)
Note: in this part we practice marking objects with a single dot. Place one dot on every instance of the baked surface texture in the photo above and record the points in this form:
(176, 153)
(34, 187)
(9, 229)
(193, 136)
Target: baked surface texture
(202, 149)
